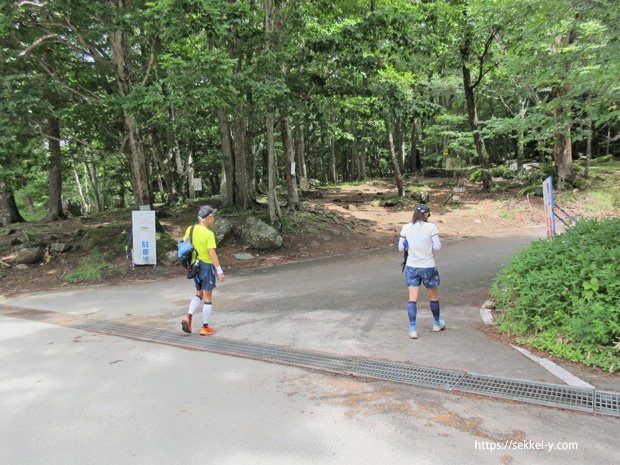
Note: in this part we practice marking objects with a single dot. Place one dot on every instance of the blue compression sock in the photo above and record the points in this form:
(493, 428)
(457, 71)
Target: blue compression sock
(435, 310)
(412, 310)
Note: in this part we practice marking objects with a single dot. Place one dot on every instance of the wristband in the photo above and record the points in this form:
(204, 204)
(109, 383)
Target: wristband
(219, 270)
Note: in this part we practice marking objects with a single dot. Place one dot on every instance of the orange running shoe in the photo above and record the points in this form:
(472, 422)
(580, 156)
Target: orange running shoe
(207, 330)
(186, 324)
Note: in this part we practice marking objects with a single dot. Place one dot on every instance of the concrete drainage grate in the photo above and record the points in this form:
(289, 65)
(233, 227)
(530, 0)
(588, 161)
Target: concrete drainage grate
(528, 391)
(607, 402)
(553, 395)
(408, 374)
(562, 396)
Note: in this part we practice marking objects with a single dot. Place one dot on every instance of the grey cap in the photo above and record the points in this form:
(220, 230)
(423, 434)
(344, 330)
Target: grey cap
(205, 211)
(422, 208)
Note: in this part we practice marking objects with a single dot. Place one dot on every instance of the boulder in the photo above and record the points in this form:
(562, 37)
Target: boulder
(28, 256)
(222, 228)
(259, 235)
(168, 258)
(59, 247)
(421, 196)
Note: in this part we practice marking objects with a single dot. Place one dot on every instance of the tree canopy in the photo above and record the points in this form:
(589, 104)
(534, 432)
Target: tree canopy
(125, 102)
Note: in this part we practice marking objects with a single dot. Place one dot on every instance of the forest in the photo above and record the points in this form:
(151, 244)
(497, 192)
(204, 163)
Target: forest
(110, 104)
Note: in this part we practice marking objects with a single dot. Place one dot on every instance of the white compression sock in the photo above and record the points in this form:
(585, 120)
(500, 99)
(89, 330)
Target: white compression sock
(193, 304)
(207, 308)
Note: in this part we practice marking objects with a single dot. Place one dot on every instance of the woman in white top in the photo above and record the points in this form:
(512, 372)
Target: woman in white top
(421, 238)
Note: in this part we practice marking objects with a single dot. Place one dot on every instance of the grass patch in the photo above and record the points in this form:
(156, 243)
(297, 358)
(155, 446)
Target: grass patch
(563, 295)
(601, 200)
(90, 269)
(510, 214)
(341, 184)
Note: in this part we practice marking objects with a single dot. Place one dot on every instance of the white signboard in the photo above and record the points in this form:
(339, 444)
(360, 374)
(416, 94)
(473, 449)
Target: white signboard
(292, 168)
(197, 184)
(548, 206)
(143, 230)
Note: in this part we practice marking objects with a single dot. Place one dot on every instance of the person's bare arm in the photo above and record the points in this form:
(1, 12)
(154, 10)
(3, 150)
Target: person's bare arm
(216, 264)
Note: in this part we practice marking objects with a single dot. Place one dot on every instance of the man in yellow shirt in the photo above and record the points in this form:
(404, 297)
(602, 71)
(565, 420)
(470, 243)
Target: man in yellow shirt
(203, 240)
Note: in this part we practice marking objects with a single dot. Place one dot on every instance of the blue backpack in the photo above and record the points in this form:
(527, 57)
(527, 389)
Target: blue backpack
(185, 249)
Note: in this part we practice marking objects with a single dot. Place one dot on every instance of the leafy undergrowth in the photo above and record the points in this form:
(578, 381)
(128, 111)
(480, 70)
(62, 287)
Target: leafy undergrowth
(90, 269)
(563, 295)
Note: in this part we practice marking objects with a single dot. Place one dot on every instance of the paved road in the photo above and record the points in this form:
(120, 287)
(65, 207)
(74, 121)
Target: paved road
(68, 396)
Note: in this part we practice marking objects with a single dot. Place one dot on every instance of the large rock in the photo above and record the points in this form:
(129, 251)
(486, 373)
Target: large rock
(223, 229)
(28, 256)
(59, 247)
(169, 258)
(421, 196)
(259, 235)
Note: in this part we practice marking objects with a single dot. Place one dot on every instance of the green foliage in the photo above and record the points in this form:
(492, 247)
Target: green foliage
(338, 68)
(532, 189)
(90, 269)
(563, 295)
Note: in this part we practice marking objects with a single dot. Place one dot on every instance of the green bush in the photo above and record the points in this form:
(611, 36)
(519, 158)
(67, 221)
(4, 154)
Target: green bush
(563, 295)
(475, 175)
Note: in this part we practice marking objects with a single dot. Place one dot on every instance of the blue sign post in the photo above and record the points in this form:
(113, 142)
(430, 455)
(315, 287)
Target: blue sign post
(550, 209)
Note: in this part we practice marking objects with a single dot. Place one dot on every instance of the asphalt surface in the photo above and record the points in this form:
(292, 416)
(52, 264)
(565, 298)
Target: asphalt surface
(70, 396)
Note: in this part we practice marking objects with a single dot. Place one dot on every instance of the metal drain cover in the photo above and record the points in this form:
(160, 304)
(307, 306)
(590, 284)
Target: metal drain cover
(554, 395)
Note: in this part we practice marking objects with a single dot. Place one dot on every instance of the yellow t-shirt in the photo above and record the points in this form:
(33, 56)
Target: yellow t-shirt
(203, 239)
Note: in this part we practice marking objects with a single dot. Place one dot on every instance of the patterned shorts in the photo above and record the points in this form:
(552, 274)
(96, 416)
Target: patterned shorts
(205, 280)
(427, 276)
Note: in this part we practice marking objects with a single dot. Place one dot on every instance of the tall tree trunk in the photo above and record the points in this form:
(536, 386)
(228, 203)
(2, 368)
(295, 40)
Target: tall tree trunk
(160, 178)
(394, 159)
(138, 165)
(472, 113)
(190, 177)
(54, 207)
(362, 157)
(400, 142)
(291, 178)
(563, 153)
(272, 195)
(300, 148)
(9, 212)
(78, 183)
(165, 168)
(274, 206)
(586, 170)
(242, 195)
(414, 145)
(520, 137)
(356, 168)
(333, 176)
(91, 173)
(228, 180)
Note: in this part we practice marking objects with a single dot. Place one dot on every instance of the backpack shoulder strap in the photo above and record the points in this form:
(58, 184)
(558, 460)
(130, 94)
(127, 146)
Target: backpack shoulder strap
(191, 233)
